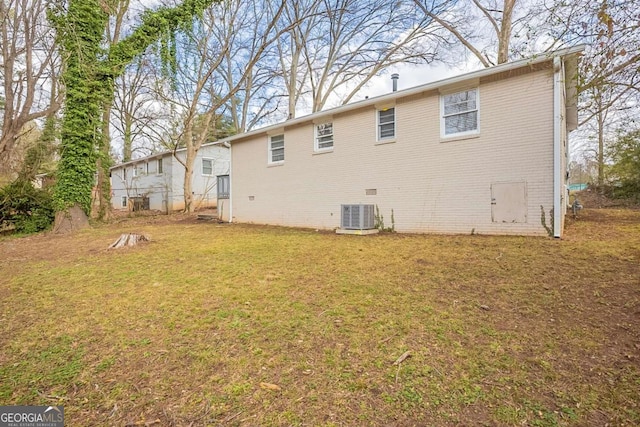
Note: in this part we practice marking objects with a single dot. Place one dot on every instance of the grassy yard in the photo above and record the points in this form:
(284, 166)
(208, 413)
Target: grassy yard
(213, 324)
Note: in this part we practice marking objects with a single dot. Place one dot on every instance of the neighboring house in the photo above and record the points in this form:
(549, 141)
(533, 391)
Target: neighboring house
(485, 152)
(159, 179)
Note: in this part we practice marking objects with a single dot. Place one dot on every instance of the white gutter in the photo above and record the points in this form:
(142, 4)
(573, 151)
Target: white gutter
(558, 82)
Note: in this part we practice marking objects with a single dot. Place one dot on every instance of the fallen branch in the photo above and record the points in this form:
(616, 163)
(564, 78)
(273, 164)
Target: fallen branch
(386, 339)
(269, 386)
(52, 397)
(401, 359)
(143, 423)
(232, 417)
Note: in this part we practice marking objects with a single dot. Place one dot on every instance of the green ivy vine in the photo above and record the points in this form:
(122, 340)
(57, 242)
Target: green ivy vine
(89, 72)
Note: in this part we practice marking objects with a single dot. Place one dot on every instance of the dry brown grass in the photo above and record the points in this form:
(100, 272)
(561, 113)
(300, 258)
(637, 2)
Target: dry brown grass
(185, 329)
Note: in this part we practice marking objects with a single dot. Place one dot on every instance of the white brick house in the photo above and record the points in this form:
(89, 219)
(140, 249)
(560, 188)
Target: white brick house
(160, 179)
(485, 152)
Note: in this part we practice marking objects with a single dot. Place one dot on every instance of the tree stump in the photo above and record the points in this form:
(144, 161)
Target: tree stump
(128, 239)
(70, 220)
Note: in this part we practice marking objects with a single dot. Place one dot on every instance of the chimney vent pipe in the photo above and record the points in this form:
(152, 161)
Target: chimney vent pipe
(394, 78)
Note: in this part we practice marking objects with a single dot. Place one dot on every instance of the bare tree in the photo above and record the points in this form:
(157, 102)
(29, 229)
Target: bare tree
(260, 94)
(195, 88)
(493, 31)
(339, 46)
(137, 118)
(609, 75)
(27, 52)
(483, 27)
(301, 17)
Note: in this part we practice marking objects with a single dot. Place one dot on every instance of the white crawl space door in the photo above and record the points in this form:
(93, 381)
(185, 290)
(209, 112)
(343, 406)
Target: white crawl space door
(509, 202)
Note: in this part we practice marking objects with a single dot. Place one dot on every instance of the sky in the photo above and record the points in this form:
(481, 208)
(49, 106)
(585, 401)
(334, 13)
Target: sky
(411, 76)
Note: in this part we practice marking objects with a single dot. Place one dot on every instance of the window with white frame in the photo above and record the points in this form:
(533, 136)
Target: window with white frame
(146, 168)
(135, 170)
(276, 149)
(159, 169)
(123, 201)
(324, 136)
(386, 123)
(459, 112)
(124, 173)
(207, 167)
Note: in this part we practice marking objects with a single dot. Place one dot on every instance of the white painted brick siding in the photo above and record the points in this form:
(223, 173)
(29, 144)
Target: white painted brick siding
(431, 184)
(165, 191)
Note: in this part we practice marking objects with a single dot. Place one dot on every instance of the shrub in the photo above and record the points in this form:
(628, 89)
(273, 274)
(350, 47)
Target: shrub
(26, 208)
(624, 172)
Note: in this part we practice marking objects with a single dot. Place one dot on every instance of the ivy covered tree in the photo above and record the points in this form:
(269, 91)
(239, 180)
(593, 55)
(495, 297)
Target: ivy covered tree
(89, 72)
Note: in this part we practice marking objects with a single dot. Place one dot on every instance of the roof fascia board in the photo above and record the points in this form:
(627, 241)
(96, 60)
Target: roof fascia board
(166, 153)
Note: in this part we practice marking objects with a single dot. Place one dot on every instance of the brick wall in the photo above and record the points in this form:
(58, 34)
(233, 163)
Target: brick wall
(432, 184)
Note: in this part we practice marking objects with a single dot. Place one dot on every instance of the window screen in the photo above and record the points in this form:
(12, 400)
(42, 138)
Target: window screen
(324, 136)
(207, 167)
(387, 123)
(277, 148)
(460, 112)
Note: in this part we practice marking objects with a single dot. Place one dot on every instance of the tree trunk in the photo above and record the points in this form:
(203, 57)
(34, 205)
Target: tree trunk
(69, 220)
(504, 37)
(188, 170)
(126, 143)
(293, 80)
(102, 194)
(128, 239)
(600, 150)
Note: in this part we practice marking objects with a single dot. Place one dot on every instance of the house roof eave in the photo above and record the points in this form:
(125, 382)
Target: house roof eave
(390, 97)
(164, 153)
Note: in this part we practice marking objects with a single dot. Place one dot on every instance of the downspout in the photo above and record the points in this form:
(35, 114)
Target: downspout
(230, 183)
(558, 81)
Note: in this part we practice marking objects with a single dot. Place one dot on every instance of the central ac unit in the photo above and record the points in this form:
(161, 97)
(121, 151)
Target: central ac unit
(357, 217)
